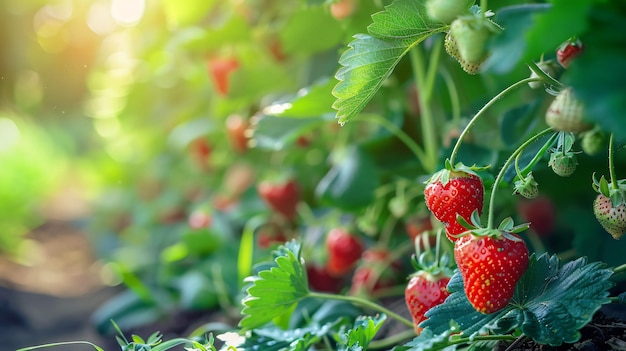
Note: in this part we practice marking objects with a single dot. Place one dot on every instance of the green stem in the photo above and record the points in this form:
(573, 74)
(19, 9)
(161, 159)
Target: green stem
(543, 75)
(398, 133)
(539, 155)
(619, 269)
(498, 180)
(424, 85)
(393, 340)
(455, 102)
(459, 141)
(614, 185)
(484, 6)
(363, 302)
(65, 343)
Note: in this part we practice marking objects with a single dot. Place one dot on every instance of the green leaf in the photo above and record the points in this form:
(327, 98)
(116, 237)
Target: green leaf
(351, 181)
(427, 341)
(508, 48)
(365, 328)
(275, 290)
(371, 58)
(196, 291)
(565, 19)
(315, 100)
(551, 302)
(310, 30)
(276, 132)
(600, 89)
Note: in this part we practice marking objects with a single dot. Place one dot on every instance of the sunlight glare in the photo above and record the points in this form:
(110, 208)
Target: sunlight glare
(127, 12)
(9, 134)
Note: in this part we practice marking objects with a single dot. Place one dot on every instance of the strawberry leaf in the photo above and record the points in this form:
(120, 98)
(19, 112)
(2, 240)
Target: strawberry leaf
(371, 58)
(365, 328)
(275, 289)
(551, 303)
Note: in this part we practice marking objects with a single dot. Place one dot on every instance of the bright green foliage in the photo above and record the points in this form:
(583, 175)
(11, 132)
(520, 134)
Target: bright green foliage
(551, 303)
(271, 339)
(275, 290)
(365, 328)
(310, 30)
(371, 58)
(427, 341)
(314, 100)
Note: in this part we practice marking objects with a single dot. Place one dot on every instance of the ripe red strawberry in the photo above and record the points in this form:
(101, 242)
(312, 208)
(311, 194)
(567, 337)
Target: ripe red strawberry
(270, 234)
(237, 132)
(490, 265)
(567, 114)
(540, 212)
(319, 279)
(220, 69)
(374, 272)
(609, 207)
(417, 224)
(423, 292)
(344, 250)
(447, 10)
(200, 152)
(568, 51)
(281, 197)
(449, 193)
(199, 219)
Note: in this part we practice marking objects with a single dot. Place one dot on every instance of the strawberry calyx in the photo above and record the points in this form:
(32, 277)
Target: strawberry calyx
(616, 193)
(505, 229)
(459, 170)
(527, 187)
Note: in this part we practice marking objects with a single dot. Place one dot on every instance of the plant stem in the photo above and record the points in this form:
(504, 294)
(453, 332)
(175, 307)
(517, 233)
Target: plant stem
(398, 133)
(619, 269)
(459, 141)
(455, 103)
(483, 6)
(543, 75)
(363, 302)
(498, 180)
(611, 165)
(424, 86)
(393, 340)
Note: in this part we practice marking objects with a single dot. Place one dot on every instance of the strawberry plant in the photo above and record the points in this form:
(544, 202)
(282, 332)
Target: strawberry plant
(374, 110)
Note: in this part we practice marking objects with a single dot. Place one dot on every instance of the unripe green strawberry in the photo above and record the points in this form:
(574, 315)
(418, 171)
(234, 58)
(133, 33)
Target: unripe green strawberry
(611, 217)
(594, 141)
(471, 33)
(447, 10)
(527, 187)
(563, 163)
(566, 113)
(452, 50)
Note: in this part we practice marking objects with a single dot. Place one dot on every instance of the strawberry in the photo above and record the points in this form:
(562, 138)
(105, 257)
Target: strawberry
(527, 187)
(453, 50)
(200, 152)
(270, 234)
(593, 141)
(540, 212)
(471, 33)
(568, 51)
(220, 70)
(374, 272)
(281, 197)
(609, 207)
(417, 224)
(237, 132)
(566, 113)
(199, 219)
(342, 9)
(423, 292)
(344, 250)
(320, 279)
(452, 192)
(491, 262)
(447, 10)
(563, 163)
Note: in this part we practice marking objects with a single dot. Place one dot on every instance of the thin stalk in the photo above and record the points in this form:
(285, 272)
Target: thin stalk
(392, 340)
(424, 93)
(455, 102)
(398, 133)
(498, 180)
(614, 185)
(545, 77)
(484, 6)
(619, 269)
(459, 141)
(363, 302)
